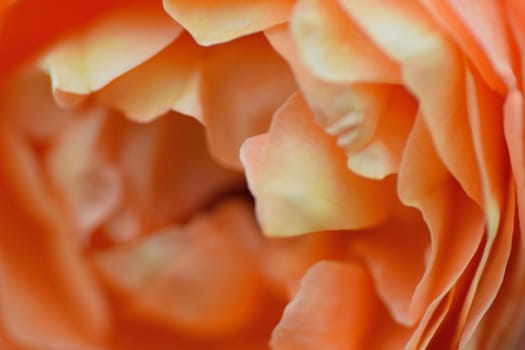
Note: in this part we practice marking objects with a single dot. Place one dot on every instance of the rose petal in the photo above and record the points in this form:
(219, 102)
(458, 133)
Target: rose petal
(489, 275)
(168, 279)
(303, 184)
(456, 224)
(432, 71)
(91, 187)
(480, 31)
(216, 21)
(243, 83)
(336, 308)
(113, 45)
(47, 297)
(334, 49)
(169, 80)
(169, 171)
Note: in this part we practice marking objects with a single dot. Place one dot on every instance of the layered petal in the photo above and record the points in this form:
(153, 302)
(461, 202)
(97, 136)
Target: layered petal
(336, 308)
(301, 183)
(211, 22)
(243, 83)
(109, 47)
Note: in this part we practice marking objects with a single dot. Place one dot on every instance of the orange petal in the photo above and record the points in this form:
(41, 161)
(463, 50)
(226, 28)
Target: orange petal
(29, 26)
(243, 83)
(91, 187)
(432, 71)
(173, 276)
(485, 114)
(91, 58)
(489, 275)
(169, 80)
(371, 121)
(514, 128)
(456, 224)
(216, 21)
(480, 31)
(48, 298)
(395, 254)
(336, 308)
(169, 171)
(382, 155)
(303, 185)
(334, 49)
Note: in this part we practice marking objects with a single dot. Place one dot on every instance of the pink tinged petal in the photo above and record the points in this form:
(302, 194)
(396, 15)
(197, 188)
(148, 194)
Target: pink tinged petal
(243, 83)
(302, 184)
(334, 48)
(456, 224)
(91, 187)
(336, 308)
(169, 80)
(109, 47)
(48, 299)
(432, 71)
(480, 31)
(217, 21)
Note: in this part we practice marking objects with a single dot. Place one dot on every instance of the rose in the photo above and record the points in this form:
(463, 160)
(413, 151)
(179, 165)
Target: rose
(387, 138)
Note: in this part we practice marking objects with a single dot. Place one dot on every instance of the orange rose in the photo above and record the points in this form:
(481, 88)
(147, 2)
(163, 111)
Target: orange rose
(381, 142)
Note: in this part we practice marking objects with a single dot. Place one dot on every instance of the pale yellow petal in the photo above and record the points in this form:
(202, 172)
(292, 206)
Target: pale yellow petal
(303, 185)
(107, 48)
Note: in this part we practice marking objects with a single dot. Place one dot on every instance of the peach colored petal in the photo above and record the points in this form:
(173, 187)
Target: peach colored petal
(352, 112)
(432, 71)
(396, 255)
(430, 323)
(489, 275)
(502, 325)
(480, 31)
(349, 111)
(91, 187)
(286, 260)
(195, 278)
(47, 297)
(169, 80)
(336, 308)
(456, 224)
(111, 46)
(514, 129)
(382, 155)
(486, 120)
(169, 171)
(243, 83)
(28, 103)
(216, 21)
(334, 49)
(31, 25)
(513, 110)
(303, 184)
